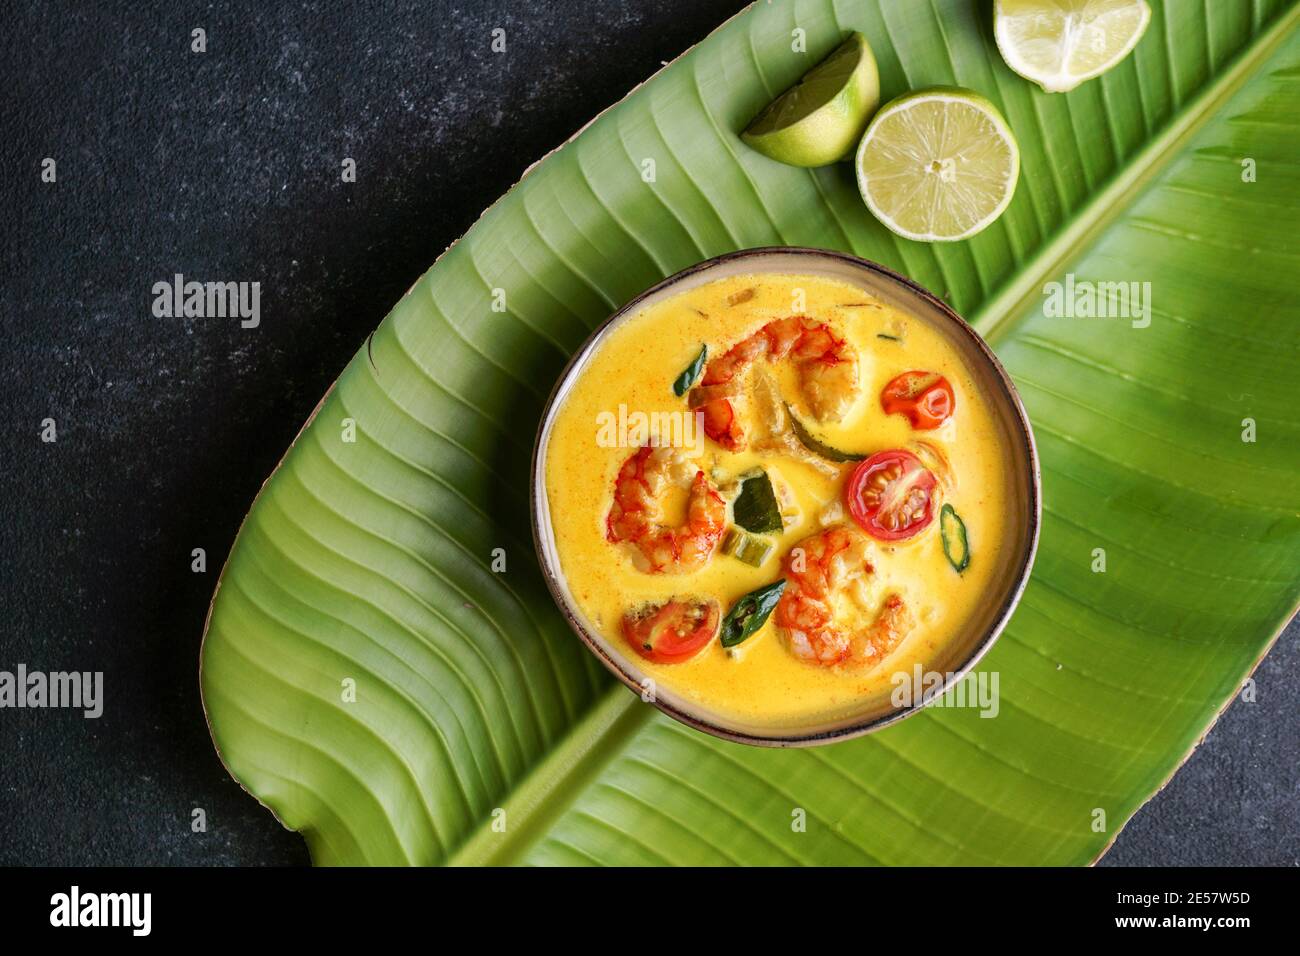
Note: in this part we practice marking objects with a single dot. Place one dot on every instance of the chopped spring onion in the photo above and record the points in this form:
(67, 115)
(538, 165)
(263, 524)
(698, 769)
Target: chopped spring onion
(750, 613)
(756, 508)
(692, 373)
(747, 547)
(952, 530)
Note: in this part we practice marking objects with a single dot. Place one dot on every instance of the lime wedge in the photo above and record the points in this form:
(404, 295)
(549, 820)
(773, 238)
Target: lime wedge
(819, 120)
(1060, 43)
(938, 165)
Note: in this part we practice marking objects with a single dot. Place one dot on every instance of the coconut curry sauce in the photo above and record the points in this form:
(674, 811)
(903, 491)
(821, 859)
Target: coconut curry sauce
(648, 490)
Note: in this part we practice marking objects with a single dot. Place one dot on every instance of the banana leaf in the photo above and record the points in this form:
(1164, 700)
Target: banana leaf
(376, 679)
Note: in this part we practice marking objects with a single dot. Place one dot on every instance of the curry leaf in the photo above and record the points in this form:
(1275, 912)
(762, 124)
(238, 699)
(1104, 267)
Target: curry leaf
(692, 373)
(750, 613)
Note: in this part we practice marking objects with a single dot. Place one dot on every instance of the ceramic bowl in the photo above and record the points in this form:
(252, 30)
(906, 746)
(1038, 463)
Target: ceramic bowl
(964, 650)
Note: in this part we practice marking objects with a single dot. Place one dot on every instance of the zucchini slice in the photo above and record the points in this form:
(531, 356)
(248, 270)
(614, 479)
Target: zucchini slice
(817, 447)
(756, 508)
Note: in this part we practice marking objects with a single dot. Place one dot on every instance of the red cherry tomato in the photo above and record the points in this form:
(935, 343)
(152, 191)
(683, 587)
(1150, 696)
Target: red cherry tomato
(924, 397)
(673, 631)
(890, 495)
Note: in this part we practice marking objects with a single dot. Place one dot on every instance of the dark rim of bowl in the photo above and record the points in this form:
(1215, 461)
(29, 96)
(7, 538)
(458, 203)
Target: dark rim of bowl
(849, 731)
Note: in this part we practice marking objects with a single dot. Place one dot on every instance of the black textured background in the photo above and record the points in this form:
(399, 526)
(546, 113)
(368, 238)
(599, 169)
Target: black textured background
(226, 166)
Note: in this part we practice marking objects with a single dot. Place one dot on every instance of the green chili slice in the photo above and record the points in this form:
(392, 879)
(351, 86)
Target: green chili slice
(953, 532)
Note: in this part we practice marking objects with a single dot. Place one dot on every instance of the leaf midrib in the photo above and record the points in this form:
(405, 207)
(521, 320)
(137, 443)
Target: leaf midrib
(546, 792)
(551, 787)
(997, 314)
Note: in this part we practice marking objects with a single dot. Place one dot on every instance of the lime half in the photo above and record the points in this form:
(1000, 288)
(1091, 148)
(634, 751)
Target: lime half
(938, 165)
(1060, 43)
(818, 120)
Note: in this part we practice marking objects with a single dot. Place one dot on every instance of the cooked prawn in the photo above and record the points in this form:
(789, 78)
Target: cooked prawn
(828, 374)
(818, 570)
(775, 417)
(637, 515)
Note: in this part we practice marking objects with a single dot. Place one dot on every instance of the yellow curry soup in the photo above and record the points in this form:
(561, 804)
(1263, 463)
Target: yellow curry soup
(625, 391)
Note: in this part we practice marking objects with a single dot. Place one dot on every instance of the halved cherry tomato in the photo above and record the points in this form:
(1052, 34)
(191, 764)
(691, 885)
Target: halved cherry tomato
(673, 631)
(924, 397)
(891, 495)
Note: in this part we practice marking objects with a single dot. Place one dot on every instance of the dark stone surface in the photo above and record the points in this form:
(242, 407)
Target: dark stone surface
(226, 166)
(1236, 802)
